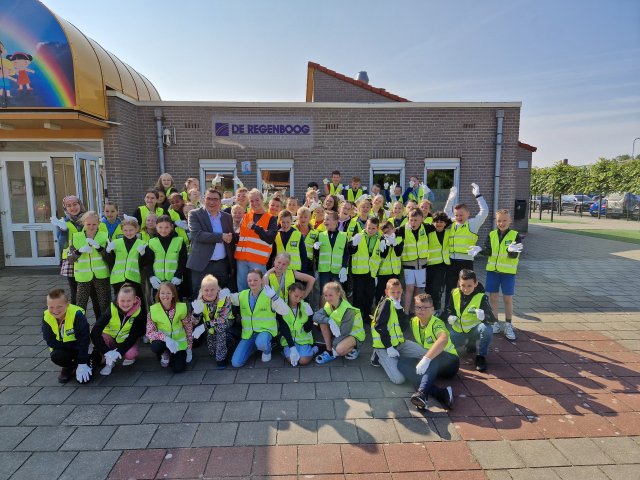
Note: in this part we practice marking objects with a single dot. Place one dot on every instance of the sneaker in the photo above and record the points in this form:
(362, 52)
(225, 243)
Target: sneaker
(106, 370)
(449, 402)
(419, 399)
(481, 363)
(375, 361)
(266, 357)
(353, 354)
(126, 362)
(221, 364)
(164, 359)
(65, 375)
(496, 327)
(508, 331)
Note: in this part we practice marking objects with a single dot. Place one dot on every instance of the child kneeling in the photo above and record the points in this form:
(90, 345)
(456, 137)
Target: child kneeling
(296, 337)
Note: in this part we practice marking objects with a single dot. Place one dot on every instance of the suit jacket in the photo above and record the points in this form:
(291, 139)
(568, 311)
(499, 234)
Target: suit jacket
(204, 240)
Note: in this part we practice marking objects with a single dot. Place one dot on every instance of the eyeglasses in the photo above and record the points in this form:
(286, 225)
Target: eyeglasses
(423, 307)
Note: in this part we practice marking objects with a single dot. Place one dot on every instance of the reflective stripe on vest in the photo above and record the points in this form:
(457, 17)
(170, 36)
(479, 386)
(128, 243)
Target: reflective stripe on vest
(499, 260)
(292, 248)
(116, 329)
(174, 329)
(330, 259)
(165, 263)
(295, 325)
(68, 334)
(467, 319)
(250, 248)
(357, 330)
(362, 262)
(126, 265)
(282, 290)
(353, 196)
(461, 239)
(391, 264)
(393, 326)
(353, 227)
(90, 264)
(439, 252)
(182, 233)
(413, 250)
(333, 190)
(117, 233)
(261, 319)
(309, 239)
(425, 337)
(144, 213)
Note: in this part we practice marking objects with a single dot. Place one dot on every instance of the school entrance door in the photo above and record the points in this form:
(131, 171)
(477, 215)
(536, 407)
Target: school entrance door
(32, 186)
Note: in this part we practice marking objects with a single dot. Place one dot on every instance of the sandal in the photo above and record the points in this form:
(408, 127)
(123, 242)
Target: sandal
(353, 354)
(324, 357)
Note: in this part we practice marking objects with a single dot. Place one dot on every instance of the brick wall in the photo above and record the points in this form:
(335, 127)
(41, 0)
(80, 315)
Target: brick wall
(330, 89)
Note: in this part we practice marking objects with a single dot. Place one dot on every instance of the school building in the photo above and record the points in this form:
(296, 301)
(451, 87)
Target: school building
(74, 119)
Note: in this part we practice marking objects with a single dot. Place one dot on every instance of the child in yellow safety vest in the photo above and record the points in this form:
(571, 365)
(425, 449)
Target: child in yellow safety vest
(331, 254)
(310, 236)
(470, 317)
(179, 218)
(341, 325)
(280, 277)
(441, 358)
(151, 205)
(397, 215)
(365, 261)
(90, 269)
(166, 186)
(503, 247)
(390, 254)
(295, 328)
(110, 223)
(414, 255)
(333, 187)
(389, 344)
(115, 334)
(438, 260)
(169, 329)
(289, 240)
(125, 257)
(66, 332)
(167, 255)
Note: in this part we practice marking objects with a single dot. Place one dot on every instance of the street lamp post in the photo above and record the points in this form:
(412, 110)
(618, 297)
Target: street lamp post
(633, 148)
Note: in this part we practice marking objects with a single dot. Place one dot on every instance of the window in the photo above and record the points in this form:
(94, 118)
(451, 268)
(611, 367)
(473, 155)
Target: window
(440, 174)
(225, 168)
(275, 175)
(387, 170)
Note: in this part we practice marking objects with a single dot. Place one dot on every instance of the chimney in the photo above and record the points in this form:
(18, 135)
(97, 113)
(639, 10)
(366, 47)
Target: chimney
(565, 161)
(363, 77)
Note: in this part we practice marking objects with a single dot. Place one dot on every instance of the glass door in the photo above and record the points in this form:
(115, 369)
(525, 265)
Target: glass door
(27, 199)
(89, 181)
(440, 175)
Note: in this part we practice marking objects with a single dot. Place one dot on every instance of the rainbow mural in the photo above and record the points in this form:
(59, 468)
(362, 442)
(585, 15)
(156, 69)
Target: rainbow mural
(36, 65)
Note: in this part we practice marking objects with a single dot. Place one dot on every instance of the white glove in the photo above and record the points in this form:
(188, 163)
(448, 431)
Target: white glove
(392, 187)
(391, 239)
(453, 193)
(342, 275)
(364, 196)
(128, 218)
(60, 223)
(269, 292)
(198, 331)
(142, 248)
(397, 304)
(335, 329)
(412, 183)
(171, 344)
(392, 352)
(480, 314)
(308, 310)
(475, 250)
(423, 364)
(316, 246)
(364, 188)
(198, 306)
(475, 189)
(224, 293)
(85, 249)
(217, 180)
(93, 243)
(238, 181)
(83, 373)
(389, 206)
(325, 181)
(111, 356)
(176, 281)
(515, 247)
(155, 282)
(294, 356)
(228, 201)
(111, 246)
(386, 185)
(355, 240)
(340, 197)
(383, 245)
(182, 224)
(313, 205)
(452, 319)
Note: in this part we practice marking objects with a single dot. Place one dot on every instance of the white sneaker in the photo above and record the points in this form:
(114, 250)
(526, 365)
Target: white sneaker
(189, 355)
(508, 331)
(266, 357)
(497, 327)
(106, 370)
(164, 359)
(126, 362)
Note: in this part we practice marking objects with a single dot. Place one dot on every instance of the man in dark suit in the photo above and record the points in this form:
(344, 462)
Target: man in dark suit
(211, 243)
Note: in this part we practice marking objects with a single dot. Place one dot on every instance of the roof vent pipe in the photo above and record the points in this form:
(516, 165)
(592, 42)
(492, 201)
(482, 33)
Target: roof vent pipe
(363, 77)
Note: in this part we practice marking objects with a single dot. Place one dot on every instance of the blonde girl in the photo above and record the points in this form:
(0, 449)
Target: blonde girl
(397, 215)
(149, 228)
(125, 255)
(290, 240)
(296, 337)
(377, 208)
(151, 205)
(281, 277)
(166, 184)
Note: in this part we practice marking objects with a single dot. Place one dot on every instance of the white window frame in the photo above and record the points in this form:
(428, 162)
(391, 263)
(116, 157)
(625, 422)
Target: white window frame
(443, 164)
(283, 164)
(219, 166)
(387, 164)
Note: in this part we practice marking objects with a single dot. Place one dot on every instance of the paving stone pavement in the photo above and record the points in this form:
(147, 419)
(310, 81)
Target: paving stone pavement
(561, 402)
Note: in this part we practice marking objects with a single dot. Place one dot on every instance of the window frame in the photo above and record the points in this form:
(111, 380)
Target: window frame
(276, 164)
(443, 164)
(387, 165)
(219, 166)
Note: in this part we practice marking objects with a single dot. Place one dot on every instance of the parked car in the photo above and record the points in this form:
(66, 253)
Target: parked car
(593, 209)
(622, 204)
(576, 202)
(544, 201)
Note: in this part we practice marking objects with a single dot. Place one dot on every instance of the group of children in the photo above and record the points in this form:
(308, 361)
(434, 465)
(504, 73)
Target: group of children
(377, 253)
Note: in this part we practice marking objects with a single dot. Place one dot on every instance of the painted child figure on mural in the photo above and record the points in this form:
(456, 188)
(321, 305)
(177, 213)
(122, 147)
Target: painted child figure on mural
(21, 61)
(7, 71)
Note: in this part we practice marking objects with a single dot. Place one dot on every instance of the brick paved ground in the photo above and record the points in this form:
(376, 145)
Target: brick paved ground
(562, 402)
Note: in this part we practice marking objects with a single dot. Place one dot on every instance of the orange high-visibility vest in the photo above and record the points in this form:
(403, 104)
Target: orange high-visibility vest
(250, 248)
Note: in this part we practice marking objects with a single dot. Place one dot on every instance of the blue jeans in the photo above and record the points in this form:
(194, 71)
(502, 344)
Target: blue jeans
(258, 341)
(445, 365)
(482, 331)
(242, 269)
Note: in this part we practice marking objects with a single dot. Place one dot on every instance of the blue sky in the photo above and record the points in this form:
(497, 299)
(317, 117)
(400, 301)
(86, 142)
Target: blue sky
(575, 64)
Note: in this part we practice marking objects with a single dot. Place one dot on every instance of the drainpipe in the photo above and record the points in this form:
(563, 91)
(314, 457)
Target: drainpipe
(158, 115)
(496, 178)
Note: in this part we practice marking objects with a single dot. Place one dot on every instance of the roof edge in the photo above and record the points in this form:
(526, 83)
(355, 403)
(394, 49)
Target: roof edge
(526, 146)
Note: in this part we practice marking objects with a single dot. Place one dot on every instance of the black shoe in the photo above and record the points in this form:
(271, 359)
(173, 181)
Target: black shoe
(470, 348)
(419, 399)
(65, 375)
(446, 398)
(375, 361)
(221, 364)
(481, 363)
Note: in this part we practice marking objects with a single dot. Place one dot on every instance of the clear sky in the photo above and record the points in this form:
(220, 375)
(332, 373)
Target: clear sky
(575, 64)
